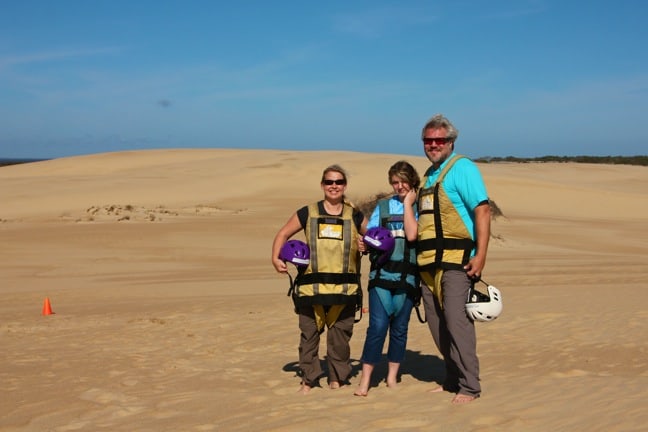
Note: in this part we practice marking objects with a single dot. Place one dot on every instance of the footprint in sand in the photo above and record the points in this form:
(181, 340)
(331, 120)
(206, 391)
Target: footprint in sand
(570, 374)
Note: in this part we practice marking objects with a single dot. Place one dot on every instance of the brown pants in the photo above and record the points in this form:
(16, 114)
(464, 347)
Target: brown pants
(454, 333)
(338, 351)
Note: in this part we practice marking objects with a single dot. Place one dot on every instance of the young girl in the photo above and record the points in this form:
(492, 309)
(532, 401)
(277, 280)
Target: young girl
(393, 283)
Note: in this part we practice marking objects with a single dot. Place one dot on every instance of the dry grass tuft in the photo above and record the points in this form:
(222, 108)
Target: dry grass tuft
(368, 204)
(495, 210)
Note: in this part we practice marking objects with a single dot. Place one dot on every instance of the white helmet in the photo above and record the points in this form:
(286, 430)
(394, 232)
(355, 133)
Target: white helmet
(482, 307)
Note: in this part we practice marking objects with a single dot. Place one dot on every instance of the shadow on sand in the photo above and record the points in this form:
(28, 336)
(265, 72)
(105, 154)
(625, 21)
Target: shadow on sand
(422, 367)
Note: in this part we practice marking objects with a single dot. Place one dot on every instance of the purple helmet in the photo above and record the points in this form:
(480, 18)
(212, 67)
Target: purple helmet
(296, 252)
(380, 239)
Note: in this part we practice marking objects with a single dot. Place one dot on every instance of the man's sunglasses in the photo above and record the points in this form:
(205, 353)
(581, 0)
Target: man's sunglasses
(439, 141)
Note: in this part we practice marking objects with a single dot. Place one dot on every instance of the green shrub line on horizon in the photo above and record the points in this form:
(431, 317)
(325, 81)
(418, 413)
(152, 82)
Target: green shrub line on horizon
(9, 161)
(613, 160)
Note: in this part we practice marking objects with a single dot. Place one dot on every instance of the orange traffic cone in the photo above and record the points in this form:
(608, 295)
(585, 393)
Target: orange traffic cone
(47, 307)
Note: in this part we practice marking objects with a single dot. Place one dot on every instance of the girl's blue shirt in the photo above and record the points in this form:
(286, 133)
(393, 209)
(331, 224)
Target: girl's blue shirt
(395, 207)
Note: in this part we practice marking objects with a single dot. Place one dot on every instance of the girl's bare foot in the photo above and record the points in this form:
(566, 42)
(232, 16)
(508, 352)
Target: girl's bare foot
(392, 374)
(361, 391)
(365, 380)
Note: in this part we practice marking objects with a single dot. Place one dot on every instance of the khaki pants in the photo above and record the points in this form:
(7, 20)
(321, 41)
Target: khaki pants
(338, 352)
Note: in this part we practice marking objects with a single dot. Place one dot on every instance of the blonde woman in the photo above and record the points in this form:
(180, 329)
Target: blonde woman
(327, 293)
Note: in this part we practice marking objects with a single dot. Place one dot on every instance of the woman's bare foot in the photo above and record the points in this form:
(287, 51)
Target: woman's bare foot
(304, 389)
(392, 383)
(462, 398)
(438, 389)
(334, 385)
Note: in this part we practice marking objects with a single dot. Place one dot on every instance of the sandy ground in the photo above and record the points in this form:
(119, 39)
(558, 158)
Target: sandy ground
(170, 317)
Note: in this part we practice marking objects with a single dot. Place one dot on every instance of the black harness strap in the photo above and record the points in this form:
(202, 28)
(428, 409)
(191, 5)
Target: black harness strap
(404, 267)
(328, 278)
(329, 300)
(446, 244)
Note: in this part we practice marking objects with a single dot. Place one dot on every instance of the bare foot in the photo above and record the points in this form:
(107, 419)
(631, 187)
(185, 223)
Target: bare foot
(462, 399)
(304, 389)
(334, 385)
(438, 389)
(361, 391)
(365, 380)
(392, 374)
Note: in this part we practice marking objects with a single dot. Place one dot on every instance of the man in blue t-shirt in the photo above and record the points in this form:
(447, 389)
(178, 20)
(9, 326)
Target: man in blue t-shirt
(453, 234)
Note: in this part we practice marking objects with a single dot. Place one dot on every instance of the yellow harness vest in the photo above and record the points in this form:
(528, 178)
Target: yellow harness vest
(333, 276)
(444, 242)
(443, 239)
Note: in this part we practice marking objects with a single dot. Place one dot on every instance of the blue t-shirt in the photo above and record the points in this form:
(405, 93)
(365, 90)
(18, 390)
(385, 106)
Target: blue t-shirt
(395, 208)
(464, 186)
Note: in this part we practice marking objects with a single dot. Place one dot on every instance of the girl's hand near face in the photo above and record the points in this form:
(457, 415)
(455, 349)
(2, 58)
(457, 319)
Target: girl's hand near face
(409, 218)
(410, 198)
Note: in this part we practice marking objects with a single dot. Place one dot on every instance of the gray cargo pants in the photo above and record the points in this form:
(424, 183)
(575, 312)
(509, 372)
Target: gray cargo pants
(454, 333)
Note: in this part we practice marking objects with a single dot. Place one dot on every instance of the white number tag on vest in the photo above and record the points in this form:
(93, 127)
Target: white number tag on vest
(427, 203)
(330, 231)
(398, 233)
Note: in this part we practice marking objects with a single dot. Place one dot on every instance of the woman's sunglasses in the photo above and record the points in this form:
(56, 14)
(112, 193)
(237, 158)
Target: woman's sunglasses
(339, 182)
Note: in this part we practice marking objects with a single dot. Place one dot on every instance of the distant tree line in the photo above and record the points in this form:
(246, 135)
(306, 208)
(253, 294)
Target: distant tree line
(614, 160)
(7, 162)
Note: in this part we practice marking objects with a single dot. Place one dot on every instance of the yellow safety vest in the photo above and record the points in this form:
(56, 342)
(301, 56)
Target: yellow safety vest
(333, 275)
(444, 242)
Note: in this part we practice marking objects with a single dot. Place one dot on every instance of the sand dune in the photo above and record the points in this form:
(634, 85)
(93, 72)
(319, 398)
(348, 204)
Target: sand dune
(169, 315)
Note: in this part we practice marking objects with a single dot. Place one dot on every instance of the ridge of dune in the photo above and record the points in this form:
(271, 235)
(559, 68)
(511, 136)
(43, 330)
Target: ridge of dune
(173, 178)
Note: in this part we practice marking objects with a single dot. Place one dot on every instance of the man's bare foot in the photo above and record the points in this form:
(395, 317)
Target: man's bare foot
(462, 398)
(392, 383)
(438, 389)
(361, 391)
(304, 389)
(334, 385)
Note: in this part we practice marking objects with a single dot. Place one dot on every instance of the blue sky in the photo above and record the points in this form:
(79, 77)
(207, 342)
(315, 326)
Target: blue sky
(517, 77)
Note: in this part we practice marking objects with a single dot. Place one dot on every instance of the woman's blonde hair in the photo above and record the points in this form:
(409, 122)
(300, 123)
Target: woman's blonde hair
(334, 168)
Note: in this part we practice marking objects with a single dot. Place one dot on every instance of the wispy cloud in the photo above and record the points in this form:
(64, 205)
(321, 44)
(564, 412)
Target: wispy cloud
(53, 55)
(520, 9)
(602, 94)
(376, 22)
